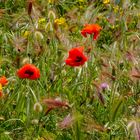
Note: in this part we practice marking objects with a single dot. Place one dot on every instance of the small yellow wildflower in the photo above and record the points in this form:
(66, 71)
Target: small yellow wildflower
(81, 7)
(138, 14)
(116, 9)
(26, 33)
(0, 87)
(50, 1)
(106, 1)
(121, 11)
(60, 21)
(41, 20)
(100, 17)
(114, 26)
(81, 0)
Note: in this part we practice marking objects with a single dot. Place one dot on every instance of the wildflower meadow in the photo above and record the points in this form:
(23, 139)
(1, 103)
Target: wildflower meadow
(69, 69)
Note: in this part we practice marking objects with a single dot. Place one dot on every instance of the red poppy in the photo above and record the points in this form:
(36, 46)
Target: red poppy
(91, 29)
(3, 80)
(29, 71)
(76, 57)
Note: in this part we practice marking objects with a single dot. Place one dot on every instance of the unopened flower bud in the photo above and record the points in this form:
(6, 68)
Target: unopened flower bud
(2, 118)
(26, 60)
(35, 121)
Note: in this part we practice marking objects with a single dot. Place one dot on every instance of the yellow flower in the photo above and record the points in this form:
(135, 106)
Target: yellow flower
(112, 27)
(106, 1)
(26, 33)
(81, 0)
(116, 9)
(60, 21)
(0, 87)
(81, 7)
(41, 20)
(50, 1)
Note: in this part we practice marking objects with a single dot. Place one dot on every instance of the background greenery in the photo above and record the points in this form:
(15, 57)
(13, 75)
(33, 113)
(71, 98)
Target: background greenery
(44, 37)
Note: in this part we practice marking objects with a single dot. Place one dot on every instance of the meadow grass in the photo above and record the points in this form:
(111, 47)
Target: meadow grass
(42, 33)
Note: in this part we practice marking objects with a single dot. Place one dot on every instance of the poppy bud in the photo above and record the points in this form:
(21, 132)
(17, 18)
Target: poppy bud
(35, 121)
(26, 60)
(2, 118)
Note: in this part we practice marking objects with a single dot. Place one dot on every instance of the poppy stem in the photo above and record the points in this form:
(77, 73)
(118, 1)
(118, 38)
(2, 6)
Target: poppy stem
(36, 100)
(79, 73)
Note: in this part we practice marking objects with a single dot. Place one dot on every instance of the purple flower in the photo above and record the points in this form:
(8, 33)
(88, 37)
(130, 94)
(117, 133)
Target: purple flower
(104, 86)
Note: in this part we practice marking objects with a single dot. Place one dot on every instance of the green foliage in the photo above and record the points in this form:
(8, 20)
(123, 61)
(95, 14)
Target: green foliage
(44, 38)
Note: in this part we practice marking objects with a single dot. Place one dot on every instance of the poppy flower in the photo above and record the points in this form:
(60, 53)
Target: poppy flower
(29, 71)
(91, 29)
(3, 80)
(76, 57)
